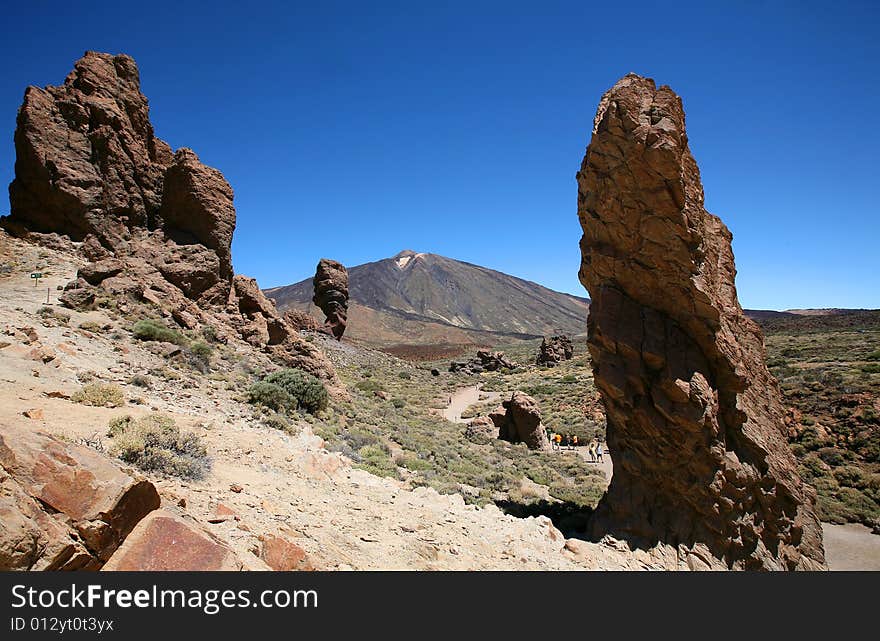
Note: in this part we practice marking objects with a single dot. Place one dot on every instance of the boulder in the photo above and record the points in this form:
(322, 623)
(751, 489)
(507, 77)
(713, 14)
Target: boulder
(283, 556)
(99, 502)
(166, 541)
(331, 295)
(693, 416)
(95, 273)
(554, 349)
(522, 422)
(481, 430)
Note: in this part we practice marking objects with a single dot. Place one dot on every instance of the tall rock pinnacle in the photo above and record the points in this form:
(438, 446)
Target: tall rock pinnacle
(695, 421)
(331, 295)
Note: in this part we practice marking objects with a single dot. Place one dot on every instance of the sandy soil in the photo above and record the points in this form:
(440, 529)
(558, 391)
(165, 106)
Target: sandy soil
(463, 398)
(851, 547)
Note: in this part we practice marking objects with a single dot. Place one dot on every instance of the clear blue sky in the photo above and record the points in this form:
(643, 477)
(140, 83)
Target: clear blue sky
(354, 130)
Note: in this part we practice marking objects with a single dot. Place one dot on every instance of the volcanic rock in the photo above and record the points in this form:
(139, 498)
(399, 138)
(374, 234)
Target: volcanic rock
(100, 503)
(331, 295)
(156, 226)
(485, 361)
(695, 420)
(165, 541)
(554, 349)
(283, 556)
(481, 430)
(87, 161)
(522, 422)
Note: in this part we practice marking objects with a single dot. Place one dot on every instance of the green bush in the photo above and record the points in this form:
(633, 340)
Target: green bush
(873, 356)
(398, 402)
(369, 386)
(99, 395)
(154, 443)
(271, 396)
(309, 392)
(871, 368)
(150, 330)
(405, 376)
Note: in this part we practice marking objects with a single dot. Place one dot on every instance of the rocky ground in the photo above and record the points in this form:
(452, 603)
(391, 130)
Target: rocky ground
(262, 479)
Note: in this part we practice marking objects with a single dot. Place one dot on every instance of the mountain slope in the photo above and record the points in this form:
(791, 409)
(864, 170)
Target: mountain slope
(426, 299)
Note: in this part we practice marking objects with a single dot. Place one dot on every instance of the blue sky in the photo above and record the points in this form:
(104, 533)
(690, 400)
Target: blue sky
(355, 130)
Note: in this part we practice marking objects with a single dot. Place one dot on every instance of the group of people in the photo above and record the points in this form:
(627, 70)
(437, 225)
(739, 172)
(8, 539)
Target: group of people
(595, 453)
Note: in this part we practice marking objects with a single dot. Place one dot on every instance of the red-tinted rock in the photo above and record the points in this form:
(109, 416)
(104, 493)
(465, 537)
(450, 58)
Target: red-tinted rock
(695, 420)
(283, 556)
(554, 349)
(197, 207)
(522, 422)
(86, 157)
(100, 502)
(331, 294)
(165, 541)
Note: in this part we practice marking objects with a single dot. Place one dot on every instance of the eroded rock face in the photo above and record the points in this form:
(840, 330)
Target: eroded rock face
(522, 422)
(695, 422)
(86, 157)
(42, 477)
(156, 227)
(485, 361)
(331, 295)
(554, 349)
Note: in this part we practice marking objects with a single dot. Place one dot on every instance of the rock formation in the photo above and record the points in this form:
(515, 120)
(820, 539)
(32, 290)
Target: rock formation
(554, 349)
(695, 422)
(521, 423)
(485, 361)
(331, 295)
(156, 227)
(63, 506)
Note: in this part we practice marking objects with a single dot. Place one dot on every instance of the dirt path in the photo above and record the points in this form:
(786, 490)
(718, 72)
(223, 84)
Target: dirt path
(851, 547)
(463, 398)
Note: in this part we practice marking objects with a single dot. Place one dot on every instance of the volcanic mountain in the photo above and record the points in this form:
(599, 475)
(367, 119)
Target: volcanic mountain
(420, 303)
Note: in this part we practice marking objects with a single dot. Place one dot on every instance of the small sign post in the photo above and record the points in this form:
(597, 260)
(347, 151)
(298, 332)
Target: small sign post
(36, 276)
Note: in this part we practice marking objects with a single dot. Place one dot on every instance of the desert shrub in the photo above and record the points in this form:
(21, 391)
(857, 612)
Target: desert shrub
(309, 392)
(871, 368)
(376, 460)
(154, 443)
(90, 326)
(278, 422)
(851, 476)
(209, 333)
(149, 330)
(369, 386)
(405, 376)
(139, 380)
(569, 378)
(199, 355)
(398, 402)
(99, 395)
(48, 313)
(271, 396)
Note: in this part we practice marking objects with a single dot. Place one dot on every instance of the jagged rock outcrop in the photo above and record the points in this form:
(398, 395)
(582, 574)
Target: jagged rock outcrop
(485, 361)
(695, 422)
(554, 349)
(522, 422)
(63, 506)
(331, 295)
(156, 227)
(87, 161)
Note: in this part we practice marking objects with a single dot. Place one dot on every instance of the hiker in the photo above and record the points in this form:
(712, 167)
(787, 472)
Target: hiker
(558, 441)
(592, 451)
(574, 440)
(599, 452)
(552, 437)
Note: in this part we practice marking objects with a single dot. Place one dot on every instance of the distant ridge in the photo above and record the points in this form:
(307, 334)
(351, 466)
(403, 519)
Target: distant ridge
(426, 299)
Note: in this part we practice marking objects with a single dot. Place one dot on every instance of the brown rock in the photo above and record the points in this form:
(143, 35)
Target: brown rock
(197, 207)
(95, 273)
(34, 413)
(331, 294)
(482, 429)
(554, 349)
(222, 513)
(301, 321)
(87, 161)
(100, 502)
(165, 541)
(694, 418)
(522, 422)
(283, 556)
(78, 299)
(235, 487)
